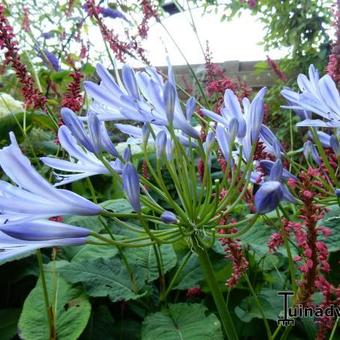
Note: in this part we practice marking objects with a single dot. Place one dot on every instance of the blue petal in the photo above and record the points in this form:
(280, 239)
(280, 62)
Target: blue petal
(131, 186)
(268, 197)
(160, 143)
(75, 125)
(130, 83)
(223, 140)
(276, 171)
(41, 230)
(189, 108)
(169, 101)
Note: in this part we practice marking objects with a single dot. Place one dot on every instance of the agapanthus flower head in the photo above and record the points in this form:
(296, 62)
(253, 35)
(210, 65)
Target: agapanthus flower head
(249, 122)
(96, 139)
(33, 196)
(267, 165)
(319, 96)
(169, 101)
(144, 97)
(271, 142)
(47, 35)
(209, 141)
(127, 154)
(190, 108)
(82, 163)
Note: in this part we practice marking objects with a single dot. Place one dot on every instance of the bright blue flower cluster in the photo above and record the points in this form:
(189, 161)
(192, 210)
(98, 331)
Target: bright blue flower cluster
(153, 105)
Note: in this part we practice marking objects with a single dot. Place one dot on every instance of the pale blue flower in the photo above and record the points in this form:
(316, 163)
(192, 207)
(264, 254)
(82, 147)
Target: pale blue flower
(310, 152)
(249, 121)
(272, 191)
(142, 97)
(41, 230)
(131, 186)
(82, 163)
(161, 141)
(33, 195)
(95, 138)
(319, 96)
(11, 248)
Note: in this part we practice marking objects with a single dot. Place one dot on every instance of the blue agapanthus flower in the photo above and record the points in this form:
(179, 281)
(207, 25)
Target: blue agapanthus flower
(33, 197)
(52, 59)
(131, 186)
(82, 163)
(141, 97)
(273, 190)
(330, 141)
(20, 238)
(244, 124)
(319, 96)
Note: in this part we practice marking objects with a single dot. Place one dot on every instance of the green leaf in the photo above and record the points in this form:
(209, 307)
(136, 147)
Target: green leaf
(8, 323)
(59, 77)
(191, 275)
(10, 123)
(71, 308)
(271, 304)
(182, 322)
(332, 220)
(145, 259)
(90, 222)
(120, 205)
(257, 238)
(88, 69)
(90, 251)
(104, 277)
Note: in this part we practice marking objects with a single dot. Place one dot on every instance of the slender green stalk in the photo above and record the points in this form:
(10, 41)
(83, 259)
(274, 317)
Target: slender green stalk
(179, 270)
(331, 337)
(289, 253)
(265, 321)
(49, 309)
(92, 190)
(209, 274)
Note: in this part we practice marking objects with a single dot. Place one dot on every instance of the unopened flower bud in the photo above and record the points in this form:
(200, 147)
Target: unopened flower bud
(169, 217)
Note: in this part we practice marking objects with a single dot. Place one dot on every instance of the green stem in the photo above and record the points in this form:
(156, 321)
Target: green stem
(179, 270)
(331, 337)
(289, 253)
(265, 321)
(208, 271)
(49, 309)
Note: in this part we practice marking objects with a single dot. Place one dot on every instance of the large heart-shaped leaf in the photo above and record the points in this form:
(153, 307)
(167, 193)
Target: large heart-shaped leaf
(71, 308)
(145, 259)
(105, 277)
(182, 321)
